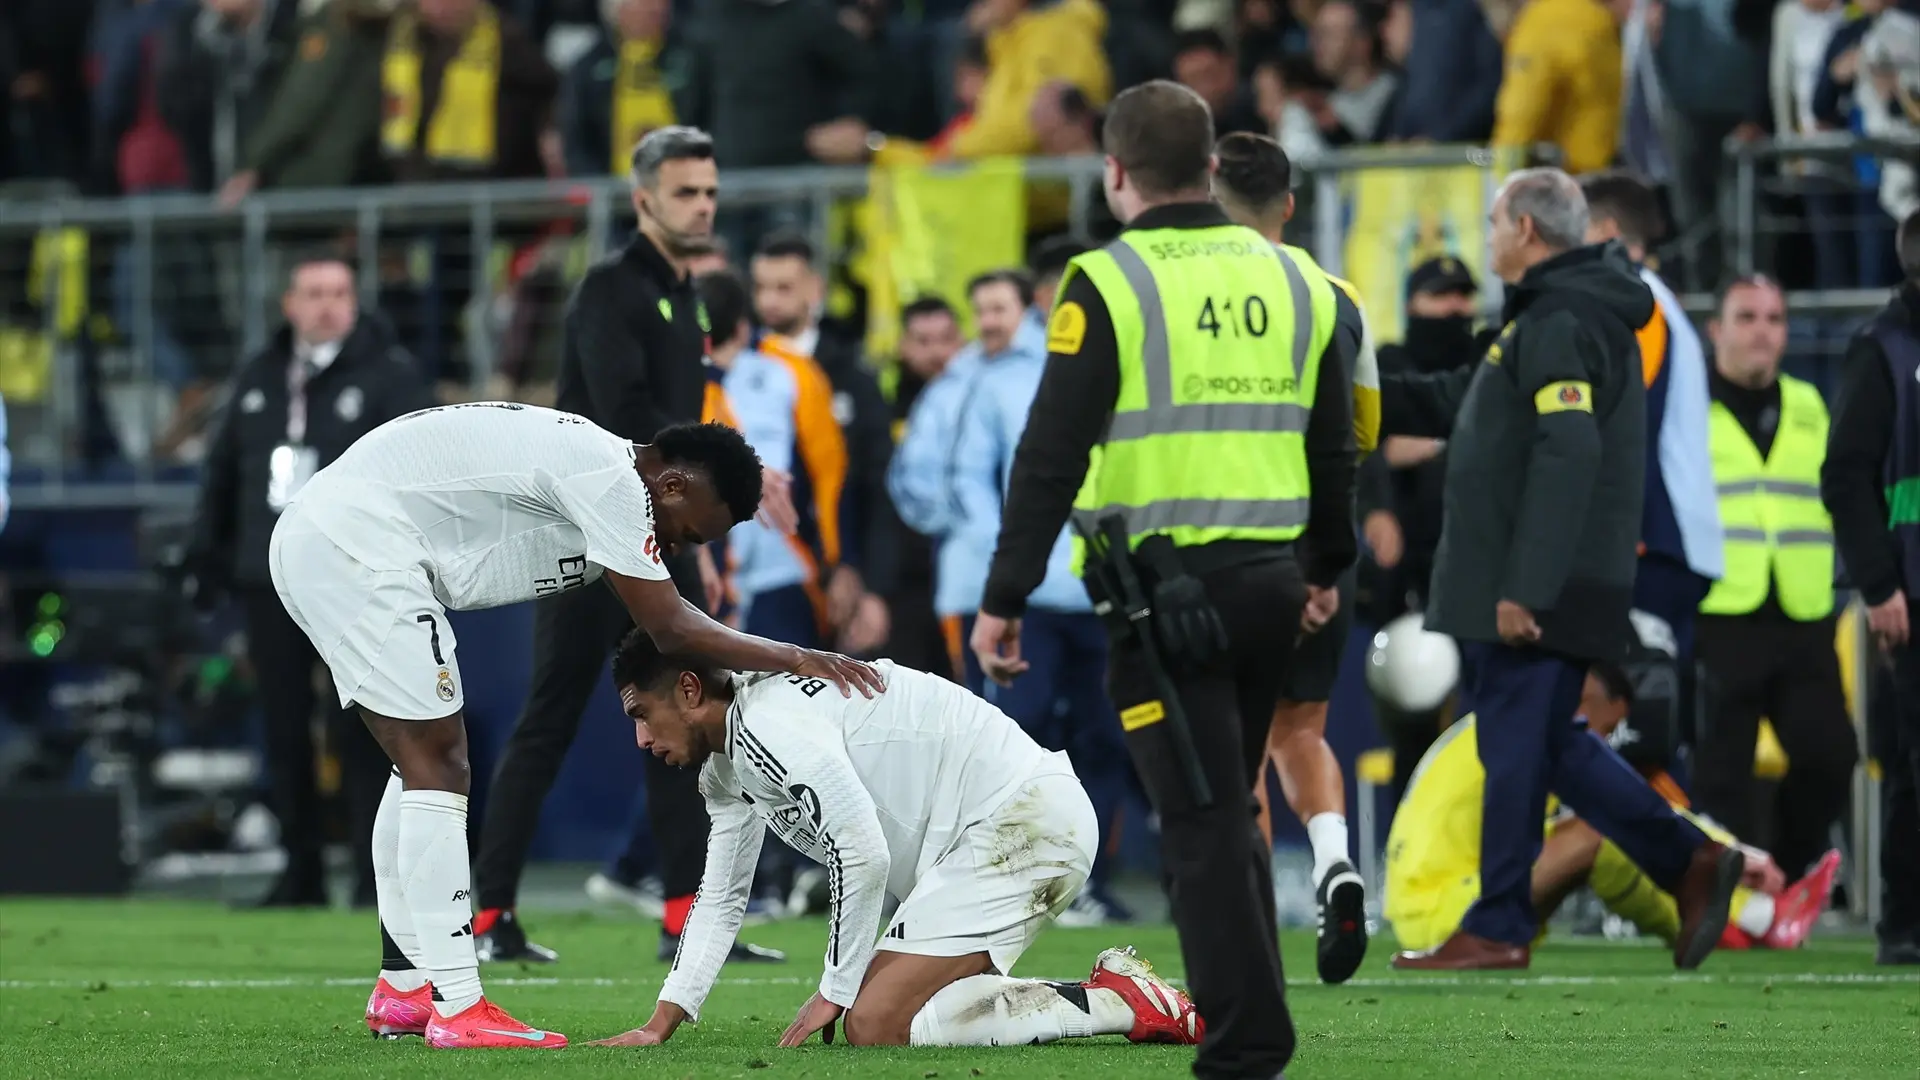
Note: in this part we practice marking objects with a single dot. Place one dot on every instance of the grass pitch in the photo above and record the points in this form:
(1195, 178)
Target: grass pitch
(147, 989)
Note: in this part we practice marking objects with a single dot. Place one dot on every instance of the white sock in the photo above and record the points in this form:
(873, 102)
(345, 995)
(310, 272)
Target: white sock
(1756, 915)
(994, 1010)
(438, 881)
(1328, 835)
(399, 947)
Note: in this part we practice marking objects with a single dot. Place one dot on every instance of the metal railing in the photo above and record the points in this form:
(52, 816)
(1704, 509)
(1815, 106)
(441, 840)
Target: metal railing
(182, 278)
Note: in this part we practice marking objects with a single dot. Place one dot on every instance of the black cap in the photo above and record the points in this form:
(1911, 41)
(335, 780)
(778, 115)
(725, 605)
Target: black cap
(1445, 274)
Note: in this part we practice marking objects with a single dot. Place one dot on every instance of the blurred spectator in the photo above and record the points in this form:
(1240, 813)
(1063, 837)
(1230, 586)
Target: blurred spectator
(1891, 106)
(1282, 88)
(1064, 121)
(1029, 45)
(1204, 61)
(321, 128)
(135, 150)
(1452, 75)
(929, 338)
(931, 40)
(1396, 32)
(778, 82)
(787, 295)
(43, 46)
(1801, 32)
(619, 90)
(1839, 95)
(1269, 29)
(1347, 51)
(1713, 83)
(219, 65)
(969, 78)
(468, 94)
(1563, 81)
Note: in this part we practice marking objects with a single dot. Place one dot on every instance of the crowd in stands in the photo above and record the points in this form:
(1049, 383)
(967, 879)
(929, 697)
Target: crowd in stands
(229, 97)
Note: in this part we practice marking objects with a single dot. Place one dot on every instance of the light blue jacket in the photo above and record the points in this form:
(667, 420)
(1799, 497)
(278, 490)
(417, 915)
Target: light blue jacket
(983, 460)
(784, 404)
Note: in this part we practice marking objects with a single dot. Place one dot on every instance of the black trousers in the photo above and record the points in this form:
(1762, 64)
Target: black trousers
(1898, 748)
(573, 634)
(1789, 673)
(283, 662)
(1219, 872)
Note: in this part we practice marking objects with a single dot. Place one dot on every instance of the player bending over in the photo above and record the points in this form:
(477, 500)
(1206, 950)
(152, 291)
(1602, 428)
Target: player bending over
(477, 506)
(924, 793)
(1433, 851)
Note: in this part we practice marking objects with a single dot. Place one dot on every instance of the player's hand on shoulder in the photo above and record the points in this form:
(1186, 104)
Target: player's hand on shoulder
(842, 671)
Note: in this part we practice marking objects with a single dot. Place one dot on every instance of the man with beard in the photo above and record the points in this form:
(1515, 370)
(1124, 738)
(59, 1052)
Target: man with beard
(634, 363)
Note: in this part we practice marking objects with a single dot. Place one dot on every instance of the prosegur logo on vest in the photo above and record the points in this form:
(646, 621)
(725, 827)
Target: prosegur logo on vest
(1201, 386)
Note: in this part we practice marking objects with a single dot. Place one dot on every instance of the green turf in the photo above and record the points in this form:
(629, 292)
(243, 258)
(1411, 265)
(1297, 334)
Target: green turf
(194, 992)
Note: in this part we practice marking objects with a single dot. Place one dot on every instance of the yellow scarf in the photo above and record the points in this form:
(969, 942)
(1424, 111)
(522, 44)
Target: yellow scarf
(640, 101)
(462, 128)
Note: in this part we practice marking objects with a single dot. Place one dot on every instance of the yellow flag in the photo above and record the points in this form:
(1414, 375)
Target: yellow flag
(1399, 218)
(930, 229)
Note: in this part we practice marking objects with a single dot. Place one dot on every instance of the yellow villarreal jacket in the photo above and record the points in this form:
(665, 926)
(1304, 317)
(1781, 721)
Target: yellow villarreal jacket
(1062, 41)
(1563, 82)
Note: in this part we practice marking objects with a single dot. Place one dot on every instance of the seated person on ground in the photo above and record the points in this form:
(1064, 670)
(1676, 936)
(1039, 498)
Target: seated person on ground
(1433, 850)
(925, 795)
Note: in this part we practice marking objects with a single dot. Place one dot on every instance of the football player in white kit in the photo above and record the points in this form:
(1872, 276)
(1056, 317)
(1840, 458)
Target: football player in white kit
(924, 793)
(476, 506)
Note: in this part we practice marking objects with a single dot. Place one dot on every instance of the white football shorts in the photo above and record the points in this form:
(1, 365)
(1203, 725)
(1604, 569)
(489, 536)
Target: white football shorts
(381, 632)
(1005, 878)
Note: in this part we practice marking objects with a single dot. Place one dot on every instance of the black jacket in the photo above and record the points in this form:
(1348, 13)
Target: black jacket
(762, 72)
(1076, 399)
(867, 522)
(1852, 477)
(1545, 458)
(633, 360)
(370, 382)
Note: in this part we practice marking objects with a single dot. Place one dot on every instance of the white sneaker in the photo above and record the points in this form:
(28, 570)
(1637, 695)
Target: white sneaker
(1085, 911)
(643, 896)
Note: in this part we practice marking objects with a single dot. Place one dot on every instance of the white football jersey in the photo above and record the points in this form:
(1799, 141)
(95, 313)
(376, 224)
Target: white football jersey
(875, 790)
(501, 502)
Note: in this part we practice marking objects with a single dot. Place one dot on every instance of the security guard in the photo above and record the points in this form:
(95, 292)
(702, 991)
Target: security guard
(1766, 629)
(1870, 482)
(1185, 360)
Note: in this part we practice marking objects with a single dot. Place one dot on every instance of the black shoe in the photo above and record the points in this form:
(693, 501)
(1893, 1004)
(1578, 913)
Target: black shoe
(1897, 952)
(506, 942)
(1342, 898)
(289, 893)
(741, 953)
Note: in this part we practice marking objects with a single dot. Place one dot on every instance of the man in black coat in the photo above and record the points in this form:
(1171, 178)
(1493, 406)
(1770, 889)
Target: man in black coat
(329, 376)
(1534, 573)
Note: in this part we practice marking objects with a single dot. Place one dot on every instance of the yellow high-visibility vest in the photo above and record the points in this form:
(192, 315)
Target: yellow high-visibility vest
(464, 127)
(1778, 533)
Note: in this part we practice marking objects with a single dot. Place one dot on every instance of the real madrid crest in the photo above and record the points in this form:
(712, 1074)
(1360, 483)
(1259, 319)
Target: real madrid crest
(445, 689)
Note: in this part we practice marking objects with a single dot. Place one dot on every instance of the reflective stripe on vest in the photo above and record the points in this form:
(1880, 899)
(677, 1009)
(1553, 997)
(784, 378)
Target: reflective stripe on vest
(1778, 533)
(1181, 455)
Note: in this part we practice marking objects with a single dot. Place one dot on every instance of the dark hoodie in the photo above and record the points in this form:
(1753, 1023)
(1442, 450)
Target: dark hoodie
(1545, 458)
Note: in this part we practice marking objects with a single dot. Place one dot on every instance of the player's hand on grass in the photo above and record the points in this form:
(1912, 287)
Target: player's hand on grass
(666, 1017)
(842, 671)
(637, 1037)
(818, 1014)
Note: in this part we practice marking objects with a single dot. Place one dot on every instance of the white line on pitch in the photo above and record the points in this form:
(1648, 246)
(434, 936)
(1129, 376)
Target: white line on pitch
(1815, 979)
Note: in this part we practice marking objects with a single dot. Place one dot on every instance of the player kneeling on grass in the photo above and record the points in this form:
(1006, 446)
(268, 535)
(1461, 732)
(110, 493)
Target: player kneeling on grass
(924, 793)
(476, 506)
(1433, 850)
